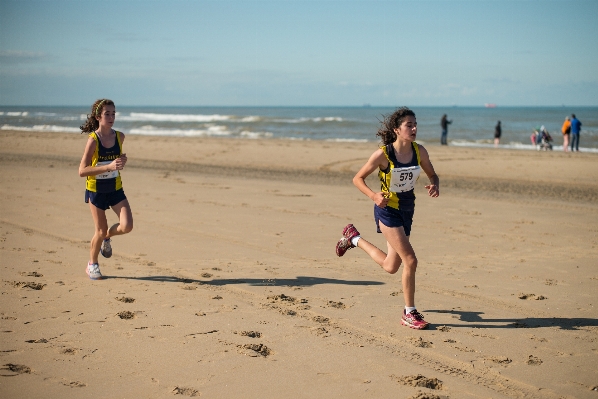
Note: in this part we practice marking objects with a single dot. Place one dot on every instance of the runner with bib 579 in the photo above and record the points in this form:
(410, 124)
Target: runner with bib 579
(399, 162)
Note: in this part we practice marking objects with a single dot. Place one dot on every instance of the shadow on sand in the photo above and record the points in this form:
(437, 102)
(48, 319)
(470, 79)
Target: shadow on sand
(475, 320)
(299, 281)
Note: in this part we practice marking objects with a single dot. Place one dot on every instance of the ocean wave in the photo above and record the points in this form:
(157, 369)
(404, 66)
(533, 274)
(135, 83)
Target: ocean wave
(15, 113)
(249, 119)
(210, 131)
(42, 128)
(342, 140)
(151, 117)
(255, 135)
(512, 146)
(305, 120)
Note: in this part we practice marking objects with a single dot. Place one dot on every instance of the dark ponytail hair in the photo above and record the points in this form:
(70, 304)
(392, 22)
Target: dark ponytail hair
(92, 124)
(391, 122)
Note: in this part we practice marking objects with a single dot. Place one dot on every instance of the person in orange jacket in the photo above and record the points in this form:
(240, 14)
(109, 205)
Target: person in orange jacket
(566, 129)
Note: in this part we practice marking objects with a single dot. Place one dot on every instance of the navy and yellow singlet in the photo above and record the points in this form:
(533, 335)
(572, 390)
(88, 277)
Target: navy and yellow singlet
(109, 181)
(398, 180)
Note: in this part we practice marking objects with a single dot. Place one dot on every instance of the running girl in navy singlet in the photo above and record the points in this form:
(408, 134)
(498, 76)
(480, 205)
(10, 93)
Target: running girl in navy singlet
(399, 162)
(102, 161)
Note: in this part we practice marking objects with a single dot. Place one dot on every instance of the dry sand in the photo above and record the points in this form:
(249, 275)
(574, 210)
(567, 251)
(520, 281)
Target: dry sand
(229, 287)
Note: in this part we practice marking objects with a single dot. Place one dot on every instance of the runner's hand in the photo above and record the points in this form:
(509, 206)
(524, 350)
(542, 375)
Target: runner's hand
(380, 199)
(118, 164)
(432, 190)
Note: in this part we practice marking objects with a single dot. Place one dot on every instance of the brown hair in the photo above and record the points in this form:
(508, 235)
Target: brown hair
(92, 124)
(391, 122)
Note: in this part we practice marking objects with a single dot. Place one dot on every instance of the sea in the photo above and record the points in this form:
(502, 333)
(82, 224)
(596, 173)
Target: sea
(470, 127)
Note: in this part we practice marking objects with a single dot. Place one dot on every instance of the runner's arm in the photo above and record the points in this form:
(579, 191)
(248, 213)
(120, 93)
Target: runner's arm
(377, 161)
(434, 186)
(85, 168)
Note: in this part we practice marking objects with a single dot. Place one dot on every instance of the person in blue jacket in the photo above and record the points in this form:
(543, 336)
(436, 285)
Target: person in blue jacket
(575, 130)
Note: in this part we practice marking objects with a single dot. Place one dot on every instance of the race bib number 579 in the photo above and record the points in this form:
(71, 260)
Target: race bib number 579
(106, 175)
(403, 179)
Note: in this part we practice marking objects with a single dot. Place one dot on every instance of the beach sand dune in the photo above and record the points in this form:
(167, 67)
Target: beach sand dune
(229, 286)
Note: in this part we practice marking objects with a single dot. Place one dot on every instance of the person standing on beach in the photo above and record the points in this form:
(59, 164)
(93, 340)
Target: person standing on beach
(566, 129)
(575, 131)
(399, 162)
(497, 134)
(101, 164)
(444, 122)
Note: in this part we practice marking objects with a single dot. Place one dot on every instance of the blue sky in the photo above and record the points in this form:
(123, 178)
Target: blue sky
(294, 53)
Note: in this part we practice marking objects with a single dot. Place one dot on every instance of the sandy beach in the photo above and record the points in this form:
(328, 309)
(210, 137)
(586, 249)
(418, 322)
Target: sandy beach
(229, 285)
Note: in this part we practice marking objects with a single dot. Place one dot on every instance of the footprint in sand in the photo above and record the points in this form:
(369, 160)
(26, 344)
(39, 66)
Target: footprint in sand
(337, 305)
(28, 284)
(74, 384)
(255, 350)
(424, 395)
(419, 342)
(126, 315)
(499, 359)
(464, 349)
(281, 297)
(68, 351)
(418, 381)
(185, 391)
(16, 369)
(532, 296)
(320, 319)
(125, 299)
(321, 332)
(539, 339)
(533, 361)
(250, 334)
(37, 341)
(31, 274)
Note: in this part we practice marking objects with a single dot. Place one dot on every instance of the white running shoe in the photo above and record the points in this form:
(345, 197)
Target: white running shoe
(93, 271)
(106, 248)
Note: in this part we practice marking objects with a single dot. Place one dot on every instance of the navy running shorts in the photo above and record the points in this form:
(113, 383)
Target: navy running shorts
(391, 217)
(105, 200)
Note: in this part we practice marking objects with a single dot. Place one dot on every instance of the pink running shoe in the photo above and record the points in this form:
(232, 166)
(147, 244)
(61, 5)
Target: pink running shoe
(350, 232)
(415, 320)
(344, 244)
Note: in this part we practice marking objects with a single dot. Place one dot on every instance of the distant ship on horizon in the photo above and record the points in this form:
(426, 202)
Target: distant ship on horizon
(489, 105)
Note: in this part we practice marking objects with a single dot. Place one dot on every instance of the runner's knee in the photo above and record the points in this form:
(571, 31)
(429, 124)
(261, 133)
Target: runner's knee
(126, 227)
(410, 263)
(392, 268)
(101, 233)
